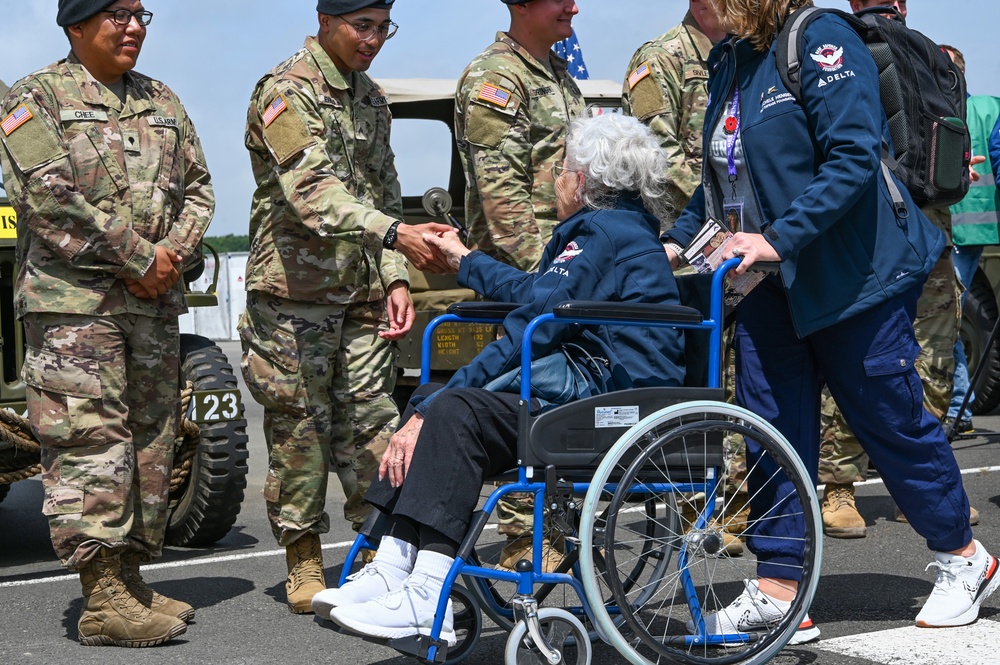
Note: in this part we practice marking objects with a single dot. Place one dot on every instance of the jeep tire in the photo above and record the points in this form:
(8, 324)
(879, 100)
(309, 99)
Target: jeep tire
(206, 507)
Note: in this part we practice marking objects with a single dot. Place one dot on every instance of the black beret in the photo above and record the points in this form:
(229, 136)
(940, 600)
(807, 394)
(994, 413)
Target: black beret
(515, 2)
(338, 7)
(72, 12)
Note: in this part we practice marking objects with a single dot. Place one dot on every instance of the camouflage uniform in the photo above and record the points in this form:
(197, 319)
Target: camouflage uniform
(842, 459)
(667, 88)
(98, 184)
(317, 276)
(512, 114)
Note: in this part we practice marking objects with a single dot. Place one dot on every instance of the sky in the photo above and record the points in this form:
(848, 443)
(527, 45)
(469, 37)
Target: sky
(212, 52)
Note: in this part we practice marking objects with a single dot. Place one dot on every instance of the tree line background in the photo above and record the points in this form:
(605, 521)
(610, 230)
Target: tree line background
(229, 243)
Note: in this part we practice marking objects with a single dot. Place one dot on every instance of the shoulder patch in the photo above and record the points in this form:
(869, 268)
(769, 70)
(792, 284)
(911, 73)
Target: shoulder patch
(647, 98)
(30, 144)
(17, 117)
(273, 110)
(487, 126)
(494, 95)
(641, 72)
(286, 134)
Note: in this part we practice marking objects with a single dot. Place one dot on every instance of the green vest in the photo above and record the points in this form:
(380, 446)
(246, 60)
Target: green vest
(976, 218)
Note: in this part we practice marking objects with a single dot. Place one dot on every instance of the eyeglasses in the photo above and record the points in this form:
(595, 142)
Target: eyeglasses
(559, 169)
(124, 16)
(366, 29)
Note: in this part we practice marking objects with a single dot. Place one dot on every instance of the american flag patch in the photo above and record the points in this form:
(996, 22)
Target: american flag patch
(275, 109)
(494, 95)
(639, 74)
(20, 116)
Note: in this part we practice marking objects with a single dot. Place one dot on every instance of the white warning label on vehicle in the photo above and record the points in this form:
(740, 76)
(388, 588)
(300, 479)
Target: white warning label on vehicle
(615, 416)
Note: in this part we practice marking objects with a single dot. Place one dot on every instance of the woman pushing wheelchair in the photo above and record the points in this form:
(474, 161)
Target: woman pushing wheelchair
(811, 193)
(453, 436)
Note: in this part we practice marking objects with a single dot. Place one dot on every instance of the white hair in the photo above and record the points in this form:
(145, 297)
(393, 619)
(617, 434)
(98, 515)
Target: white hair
(618, 153)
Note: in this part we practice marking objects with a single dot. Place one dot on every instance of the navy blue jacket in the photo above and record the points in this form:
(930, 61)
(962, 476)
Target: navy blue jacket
(815, 168)
(606, 255)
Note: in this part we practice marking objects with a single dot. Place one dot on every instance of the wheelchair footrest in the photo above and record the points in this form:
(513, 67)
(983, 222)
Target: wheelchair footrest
(414, 645)
(418, 646)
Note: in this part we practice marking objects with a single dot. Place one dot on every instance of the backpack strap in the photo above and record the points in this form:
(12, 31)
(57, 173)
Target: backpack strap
(789, 51)
(788, 57)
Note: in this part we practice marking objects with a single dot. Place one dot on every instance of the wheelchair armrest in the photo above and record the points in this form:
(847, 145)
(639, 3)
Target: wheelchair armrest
(482, 310)
(653, 312)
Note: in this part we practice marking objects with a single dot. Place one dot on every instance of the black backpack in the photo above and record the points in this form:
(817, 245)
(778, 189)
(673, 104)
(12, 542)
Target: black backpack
(923, 95)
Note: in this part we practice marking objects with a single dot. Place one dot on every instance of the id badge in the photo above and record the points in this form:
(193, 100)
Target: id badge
(733, 211)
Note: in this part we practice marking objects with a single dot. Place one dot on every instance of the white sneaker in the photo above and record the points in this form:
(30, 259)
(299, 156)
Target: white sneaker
(806, 632)
(402, 613)
(961, 586)
(754, 611)
(370, 582)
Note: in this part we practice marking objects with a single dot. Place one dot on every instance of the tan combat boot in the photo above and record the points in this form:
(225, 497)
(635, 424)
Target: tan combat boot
(149, 598)
(112, 615)
(732, 528)
(305, 572)
(840, 516)
(518, 548)
(973, 516)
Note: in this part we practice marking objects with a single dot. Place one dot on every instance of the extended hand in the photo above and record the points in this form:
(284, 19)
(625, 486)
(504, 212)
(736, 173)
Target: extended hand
(396, 460)
(410, 241)
(400, 310)
(977, 159)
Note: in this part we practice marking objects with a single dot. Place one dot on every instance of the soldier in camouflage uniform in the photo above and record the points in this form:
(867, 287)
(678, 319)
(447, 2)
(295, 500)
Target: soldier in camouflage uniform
(513, 107)
(512, 112)
(667, 88)
(327, 293)
(113, 196)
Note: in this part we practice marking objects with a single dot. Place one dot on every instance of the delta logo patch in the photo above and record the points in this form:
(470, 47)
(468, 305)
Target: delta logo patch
(571, 251)
(830, 58)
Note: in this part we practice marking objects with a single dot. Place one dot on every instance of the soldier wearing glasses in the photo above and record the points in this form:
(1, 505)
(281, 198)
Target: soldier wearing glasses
(113, 196)
(327, 281)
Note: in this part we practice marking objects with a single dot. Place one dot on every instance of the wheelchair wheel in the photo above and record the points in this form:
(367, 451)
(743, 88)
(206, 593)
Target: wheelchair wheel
(560, 629)
(681, 458)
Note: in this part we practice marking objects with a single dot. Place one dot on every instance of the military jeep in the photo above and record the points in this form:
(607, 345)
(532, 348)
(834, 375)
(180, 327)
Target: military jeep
(210, 461)
(423, 116)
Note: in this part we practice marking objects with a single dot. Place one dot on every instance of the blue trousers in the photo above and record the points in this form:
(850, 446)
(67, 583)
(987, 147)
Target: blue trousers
(867, 361)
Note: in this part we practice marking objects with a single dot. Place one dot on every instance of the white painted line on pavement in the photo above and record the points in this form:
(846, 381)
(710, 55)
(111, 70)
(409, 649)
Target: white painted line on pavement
(968, 645)
(965, 472)
(342, 545)
(188, 562)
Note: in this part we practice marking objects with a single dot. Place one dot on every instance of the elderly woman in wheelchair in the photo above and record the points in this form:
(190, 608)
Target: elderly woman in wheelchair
(452, 437)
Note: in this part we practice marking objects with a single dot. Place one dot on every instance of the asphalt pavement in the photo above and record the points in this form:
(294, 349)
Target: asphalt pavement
(870, 591)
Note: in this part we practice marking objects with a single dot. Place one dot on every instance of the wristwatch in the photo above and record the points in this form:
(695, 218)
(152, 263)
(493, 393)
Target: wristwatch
(390, 236)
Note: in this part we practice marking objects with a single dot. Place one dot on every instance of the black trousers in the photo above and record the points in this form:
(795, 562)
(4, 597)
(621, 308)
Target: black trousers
(468, 435)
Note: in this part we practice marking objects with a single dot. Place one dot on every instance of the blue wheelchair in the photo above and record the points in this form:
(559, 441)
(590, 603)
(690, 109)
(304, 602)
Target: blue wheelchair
(640, 491)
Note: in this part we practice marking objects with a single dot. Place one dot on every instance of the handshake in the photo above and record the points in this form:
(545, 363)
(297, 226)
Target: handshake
(433, 247)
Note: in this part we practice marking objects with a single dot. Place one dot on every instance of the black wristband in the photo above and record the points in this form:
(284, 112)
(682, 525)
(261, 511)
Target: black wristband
(390, 236)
